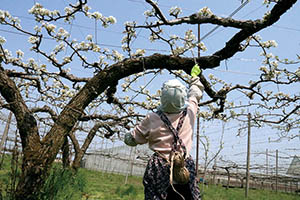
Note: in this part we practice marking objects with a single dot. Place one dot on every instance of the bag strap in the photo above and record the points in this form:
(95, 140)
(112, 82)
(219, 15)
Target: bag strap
(175, 132)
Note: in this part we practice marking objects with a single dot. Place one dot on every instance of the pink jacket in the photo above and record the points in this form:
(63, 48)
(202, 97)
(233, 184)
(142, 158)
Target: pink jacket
(152, 130)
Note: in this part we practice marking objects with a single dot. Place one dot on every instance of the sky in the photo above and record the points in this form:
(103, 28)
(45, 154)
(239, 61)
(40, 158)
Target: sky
(239, 69)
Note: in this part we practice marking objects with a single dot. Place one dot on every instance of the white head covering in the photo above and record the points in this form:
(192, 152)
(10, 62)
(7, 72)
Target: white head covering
(173, 96)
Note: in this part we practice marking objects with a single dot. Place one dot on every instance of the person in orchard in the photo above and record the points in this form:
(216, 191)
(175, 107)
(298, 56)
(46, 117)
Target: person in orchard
(170, 173)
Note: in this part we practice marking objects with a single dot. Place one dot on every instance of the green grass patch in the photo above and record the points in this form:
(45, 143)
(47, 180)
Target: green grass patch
(102, 185)
(63, 184)
(213, 192)
(96, 185)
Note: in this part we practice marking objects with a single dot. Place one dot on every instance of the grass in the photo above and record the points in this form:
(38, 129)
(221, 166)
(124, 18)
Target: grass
(213, 192)
(111, 187)
(95, 185)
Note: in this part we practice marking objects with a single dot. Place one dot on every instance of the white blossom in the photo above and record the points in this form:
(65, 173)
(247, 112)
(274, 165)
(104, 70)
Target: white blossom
(43, 68)
(2, 15)
(189, 35)
(62, 33)
(111, 20)
(50, 27)
(257, 37)
(202, 46)
(55, 13)
(35, 8)
(140, 52)
(178, 50)
(205, 12)
(174, 37)
(269, 55)
(125, 47)
(126, 98)
(59, 47)
(118, 56)
(211, 76)
(96, 48)
(175, 11)
(33, 39)
(274, 63)
(37, 29)
(67, 59)
(128, 23)
(149, 13)
(130, 109)
(298, 72)
(89, 37)
(86, 8)
(96, 15)
(264, 69)
(44, 11)
(20, 53)
(2, 40)
(153, 37)
(68, 10)
(270, 43)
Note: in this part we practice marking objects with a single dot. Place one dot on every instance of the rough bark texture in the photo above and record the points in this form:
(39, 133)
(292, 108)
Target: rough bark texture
(80, 151)
(66, 153)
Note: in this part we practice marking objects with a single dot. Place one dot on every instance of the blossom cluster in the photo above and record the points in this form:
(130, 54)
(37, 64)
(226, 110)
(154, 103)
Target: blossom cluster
(139, 52)
(175, 11)
(130, 34)
(6, 17)
(215, 80)
(149, 13)
(2, 40)
(38, 10)
(189, 42)
(105, 20)
(269, 43)
(205, 12)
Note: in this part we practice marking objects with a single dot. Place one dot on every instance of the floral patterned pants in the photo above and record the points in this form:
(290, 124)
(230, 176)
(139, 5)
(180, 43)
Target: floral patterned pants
(157, 179)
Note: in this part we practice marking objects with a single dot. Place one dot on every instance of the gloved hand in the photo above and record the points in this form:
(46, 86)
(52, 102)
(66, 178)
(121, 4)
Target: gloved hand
(129, 140)
(196, 88)
(195, 70)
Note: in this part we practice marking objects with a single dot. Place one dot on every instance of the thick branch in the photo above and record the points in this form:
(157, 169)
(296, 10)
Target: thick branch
(158, 11)
(233, 45)
(26, 123)
(45, 109)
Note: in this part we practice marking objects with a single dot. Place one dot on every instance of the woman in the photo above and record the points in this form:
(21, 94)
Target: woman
(154, 131)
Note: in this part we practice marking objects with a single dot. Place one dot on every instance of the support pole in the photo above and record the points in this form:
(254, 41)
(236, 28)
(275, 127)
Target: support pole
(267, 166)
(248, 158)
(276, 179)
(5, 133)
(267, 163)
(128, 166)
(197, 146)
(198, 120)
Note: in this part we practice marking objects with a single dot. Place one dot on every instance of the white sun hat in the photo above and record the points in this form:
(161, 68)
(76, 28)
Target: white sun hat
(173, 97)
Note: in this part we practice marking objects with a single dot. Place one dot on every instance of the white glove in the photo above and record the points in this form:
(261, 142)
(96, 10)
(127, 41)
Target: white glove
(196, 88)
(129, 140)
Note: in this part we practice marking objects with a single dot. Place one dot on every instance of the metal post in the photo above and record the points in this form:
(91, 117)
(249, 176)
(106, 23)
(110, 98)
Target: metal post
(248, 158)
(128, 165)
(198, 120)
(267, 163)
(5, 133)
(276, 183)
